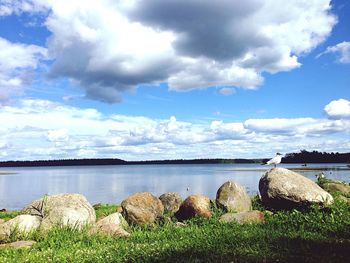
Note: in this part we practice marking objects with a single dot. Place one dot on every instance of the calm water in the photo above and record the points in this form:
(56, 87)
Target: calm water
(111, 184)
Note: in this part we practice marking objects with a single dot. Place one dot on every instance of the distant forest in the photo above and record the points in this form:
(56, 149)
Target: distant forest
(301, 157)
(316, 157)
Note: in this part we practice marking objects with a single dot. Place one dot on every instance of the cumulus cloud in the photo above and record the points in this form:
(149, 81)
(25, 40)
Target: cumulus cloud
(338, 109)
(41, 129)
(17, 62)
(58, 135)
(111, 47)
(342, 50)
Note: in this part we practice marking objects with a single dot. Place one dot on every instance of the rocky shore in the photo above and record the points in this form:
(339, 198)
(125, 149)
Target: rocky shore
(279, 189)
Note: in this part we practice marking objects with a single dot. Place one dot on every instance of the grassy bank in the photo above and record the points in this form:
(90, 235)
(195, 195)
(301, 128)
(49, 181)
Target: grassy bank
(316, 235)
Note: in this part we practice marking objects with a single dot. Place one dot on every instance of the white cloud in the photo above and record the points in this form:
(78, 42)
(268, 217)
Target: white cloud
(110, 47)
(58, 135)
(342, 50)
(17, 62)
(338, 109)
(40, 129)
(9, 7)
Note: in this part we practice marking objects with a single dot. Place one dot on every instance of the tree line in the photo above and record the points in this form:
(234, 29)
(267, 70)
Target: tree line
(302, 157)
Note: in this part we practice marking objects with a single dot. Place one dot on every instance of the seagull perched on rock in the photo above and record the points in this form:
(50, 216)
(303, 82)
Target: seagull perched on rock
(275, 160)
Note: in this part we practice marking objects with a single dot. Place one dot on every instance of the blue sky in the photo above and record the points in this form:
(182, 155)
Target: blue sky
(173, 79)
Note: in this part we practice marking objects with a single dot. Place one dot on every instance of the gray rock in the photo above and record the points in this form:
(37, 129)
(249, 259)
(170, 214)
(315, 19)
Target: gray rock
(254, 216)
(171, 202)
(19, 244)
(194, 205)
(282, 188)
(142, 208)
(62, 210)
(233, 197)
(22, 224)
(111, 225)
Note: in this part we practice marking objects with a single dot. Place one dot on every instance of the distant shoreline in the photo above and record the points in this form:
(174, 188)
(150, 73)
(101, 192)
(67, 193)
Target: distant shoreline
(304, 157)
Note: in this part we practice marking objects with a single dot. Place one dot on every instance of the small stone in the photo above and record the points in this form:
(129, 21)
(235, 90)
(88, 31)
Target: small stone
(19, 244)
(111, 225)
(21, 223)
(233, 197)
(142, 208)
(254, 216)
(171, 202)
(194, 205)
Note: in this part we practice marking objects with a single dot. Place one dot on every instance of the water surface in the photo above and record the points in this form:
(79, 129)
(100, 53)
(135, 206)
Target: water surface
(111, 184)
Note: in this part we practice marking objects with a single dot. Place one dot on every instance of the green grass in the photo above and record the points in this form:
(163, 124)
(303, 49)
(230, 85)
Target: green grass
(315, 235)
(8, 215)
(103, 210)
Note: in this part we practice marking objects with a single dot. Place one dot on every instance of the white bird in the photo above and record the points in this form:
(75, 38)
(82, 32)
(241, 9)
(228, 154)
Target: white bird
(320, 175)
(275, 160)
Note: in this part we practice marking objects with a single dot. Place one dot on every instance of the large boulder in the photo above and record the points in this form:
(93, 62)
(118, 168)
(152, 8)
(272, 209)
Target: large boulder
(22, 224)
(171, 202)
(111, 225)
(194, 205)
(336, 187)
(254, 216)
(142, 208)
(62, 210)
(233, 198)
(282, 188)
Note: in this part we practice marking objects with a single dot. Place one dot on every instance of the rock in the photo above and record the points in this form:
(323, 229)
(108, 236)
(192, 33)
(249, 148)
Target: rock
(142, 208)
(62, 210)
(194, 205)
(282, 188)
(254, 216)
(336, 187)
(2, 220)
(233, 198)
(19, 244)
(22, 224)
(111, 225)
(344, 199)
(171, 202)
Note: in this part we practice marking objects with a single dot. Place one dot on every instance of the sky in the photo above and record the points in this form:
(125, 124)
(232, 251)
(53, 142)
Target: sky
(175, 79)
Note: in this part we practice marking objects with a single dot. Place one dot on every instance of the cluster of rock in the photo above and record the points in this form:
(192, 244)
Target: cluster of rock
(279, 188)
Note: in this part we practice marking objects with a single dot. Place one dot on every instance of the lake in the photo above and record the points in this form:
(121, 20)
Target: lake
(112, 184)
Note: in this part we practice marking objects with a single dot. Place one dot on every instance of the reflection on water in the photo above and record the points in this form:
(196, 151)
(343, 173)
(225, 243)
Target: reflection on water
(111, 184)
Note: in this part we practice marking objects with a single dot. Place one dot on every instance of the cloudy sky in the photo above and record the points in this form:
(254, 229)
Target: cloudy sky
(157, 79)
